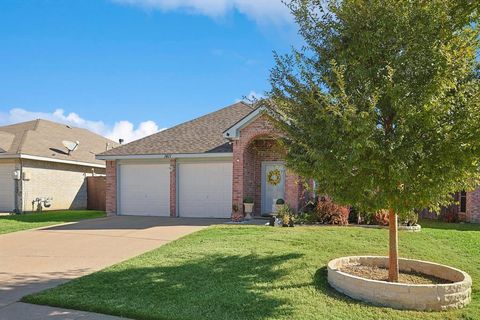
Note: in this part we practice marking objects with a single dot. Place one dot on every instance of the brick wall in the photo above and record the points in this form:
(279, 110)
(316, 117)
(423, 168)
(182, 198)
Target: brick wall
(65, 183)
(473, 206)
(111, 190)
(256, 144)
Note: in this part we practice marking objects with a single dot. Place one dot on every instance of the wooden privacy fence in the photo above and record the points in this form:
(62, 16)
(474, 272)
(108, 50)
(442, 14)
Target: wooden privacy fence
(96, 193)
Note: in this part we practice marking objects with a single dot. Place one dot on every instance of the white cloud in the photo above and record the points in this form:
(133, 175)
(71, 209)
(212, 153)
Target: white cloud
(262, 11)
(121, 129)
(125, 130)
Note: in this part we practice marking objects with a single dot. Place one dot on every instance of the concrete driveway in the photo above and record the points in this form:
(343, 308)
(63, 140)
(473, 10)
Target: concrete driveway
(34, 260)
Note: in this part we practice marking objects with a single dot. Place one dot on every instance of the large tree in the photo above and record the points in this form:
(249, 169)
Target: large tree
(382, 104)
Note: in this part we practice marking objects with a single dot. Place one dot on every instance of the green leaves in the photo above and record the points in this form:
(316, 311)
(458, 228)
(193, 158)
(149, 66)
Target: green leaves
(382, 105)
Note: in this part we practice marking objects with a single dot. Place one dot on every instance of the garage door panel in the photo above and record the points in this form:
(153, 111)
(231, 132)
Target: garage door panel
(7, 187)
(205, 189)
(145, 189)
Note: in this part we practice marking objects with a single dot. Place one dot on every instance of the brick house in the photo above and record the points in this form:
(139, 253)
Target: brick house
(35, 164)
(207, 166)
(201, 168)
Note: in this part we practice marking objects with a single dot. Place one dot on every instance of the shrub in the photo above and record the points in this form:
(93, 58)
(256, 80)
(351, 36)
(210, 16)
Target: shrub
(306, 217)
(380, 217)
(280, 201)
(355, 215)
(237, 217)
(248, 200)
(409, 218)
(286, 214)
(235, 207)
(329, 212)
(448, 215)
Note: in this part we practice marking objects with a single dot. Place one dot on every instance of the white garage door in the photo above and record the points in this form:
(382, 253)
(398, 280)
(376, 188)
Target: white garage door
(205, 189)
(7, 188)
(145, 189)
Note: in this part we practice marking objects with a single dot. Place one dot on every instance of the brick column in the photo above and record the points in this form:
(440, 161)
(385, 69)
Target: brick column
(473, 206)
(293, 190)
(111, 187)
(237, 179)
(173, 188)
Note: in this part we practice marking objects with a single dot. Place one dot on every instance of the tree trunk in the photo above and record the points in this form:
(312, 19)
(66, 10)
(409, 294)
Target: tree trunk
(393, 250)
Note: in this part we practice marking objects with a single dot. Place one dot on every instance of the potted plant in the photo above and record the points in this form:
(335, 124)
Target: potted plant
(278, 204)
(248, 206)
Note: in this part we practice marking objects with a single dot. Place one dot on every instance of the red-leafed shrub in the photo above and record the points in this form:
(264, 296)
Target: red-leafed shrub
(380, 217)
(329, 212)
(449, 216)
(237, 217)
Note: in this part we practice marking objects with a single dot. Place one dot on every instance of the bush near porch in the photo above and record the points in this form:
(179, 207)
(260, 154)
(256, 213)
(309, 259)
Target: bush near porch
(252, 272)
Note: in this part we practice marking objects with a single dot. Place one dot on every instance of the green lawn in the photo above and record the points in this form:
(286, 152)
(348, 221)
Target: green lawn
(35, 220)
(254, 272)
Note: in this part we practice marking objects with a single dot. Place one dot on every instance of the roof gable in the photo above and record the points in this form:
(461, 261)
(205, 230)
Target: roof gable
(233, 132)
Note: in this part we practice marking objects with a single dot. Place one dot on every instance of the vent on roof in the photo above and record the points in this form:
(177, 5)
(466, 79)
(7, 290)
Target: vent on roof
(70, 145)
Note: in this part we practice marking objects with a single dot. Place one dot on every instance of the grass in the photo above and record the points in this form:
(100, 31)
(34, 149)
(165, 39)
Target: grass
(254, 272)
(20, 222)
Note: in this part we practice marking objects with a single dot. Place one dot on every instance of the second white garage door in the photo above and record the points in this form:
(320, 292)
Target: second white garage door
(205, 190)
(145, 189)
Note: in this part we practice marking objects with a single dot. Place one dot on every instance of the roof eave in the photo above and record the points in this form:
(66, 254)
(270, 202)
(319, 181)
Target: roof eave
(165, 156)
(39, 158)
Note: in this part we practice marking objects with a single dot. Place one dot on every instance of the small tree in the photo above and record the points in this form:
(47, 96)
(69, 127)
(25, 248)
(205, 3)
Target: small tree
(381, 105)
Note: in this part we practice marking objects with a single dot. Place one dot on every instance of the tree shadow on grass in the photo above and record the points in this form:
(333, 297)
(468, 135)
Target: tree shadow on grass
(210, 287)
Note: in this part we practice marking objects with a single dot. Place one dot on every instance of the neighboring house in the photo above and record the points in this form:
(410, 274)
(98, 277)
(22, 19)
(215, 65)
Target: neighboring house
(34, 163)
(206, 167)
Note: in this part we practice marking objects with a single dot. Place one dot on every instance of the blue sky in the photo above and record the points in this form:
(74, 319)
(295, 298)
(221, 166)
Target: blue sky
(111, 65)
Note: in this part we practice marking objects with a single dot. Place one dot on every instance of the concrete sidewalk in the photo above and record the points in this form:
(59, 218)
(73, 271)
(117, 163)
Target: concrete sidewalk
(35, 260)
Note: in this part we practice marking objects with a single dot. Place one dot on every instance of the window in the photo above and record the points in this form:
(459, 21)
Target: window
(463, 201)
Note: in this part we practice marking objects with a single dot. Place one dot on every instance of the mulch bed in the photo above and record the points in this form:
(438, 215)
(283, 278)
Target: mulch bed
(381, 274)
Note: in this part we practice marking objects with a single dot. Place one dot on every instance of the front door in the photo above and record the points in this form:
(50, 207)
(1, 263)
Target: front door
(273, 184)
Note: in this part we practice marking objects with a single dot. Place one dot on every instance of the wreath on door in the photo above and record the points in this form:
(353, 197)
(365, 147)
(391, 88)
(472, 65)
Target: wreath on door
(274, 177)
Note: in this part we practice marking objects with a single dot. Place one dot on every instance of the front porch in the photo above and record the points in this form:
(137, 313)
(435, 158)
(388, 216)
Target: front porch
(259, 171)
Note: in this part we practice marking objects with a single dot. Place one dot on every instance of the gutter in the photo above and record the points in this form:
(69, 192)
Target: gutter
(38, 158)
(166, 156)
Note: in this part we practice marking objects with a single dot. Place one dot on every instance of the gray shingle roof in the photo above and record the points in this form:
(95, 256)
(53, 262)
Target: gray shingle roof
(201, 135)
(44, 138)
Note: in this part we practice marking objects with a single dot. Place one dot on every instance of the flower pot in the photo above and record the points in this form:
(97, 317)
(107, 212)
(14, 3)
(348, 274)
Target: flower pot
(248, 210)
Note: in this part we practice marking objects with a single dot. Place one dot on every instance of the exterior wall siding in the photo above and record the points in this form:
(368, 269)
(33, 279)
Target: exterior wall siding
(10, 189)
(64, 183)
